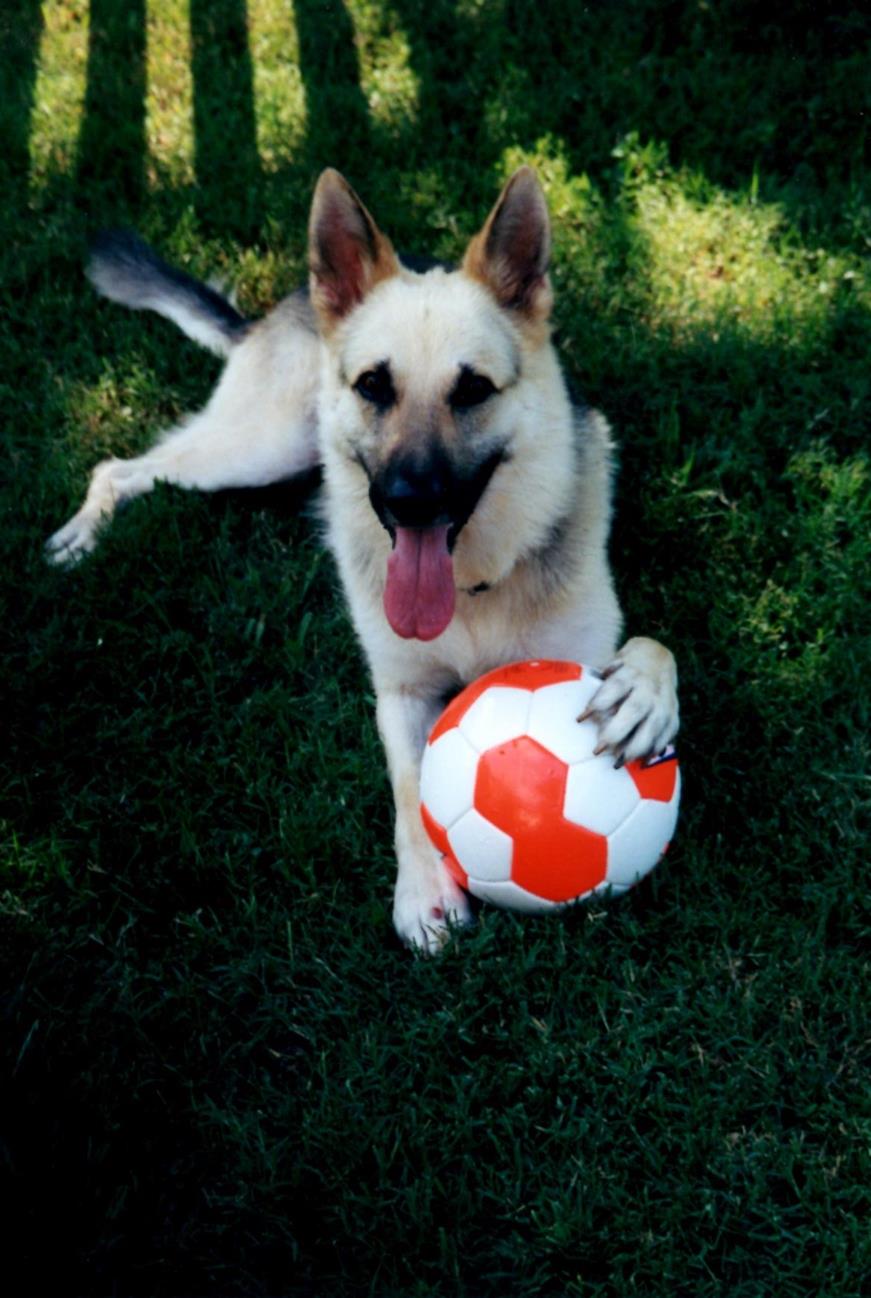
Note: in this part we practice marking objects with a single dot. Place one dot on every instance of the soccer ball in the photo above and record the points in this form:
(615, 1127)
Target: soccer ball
(523, 812)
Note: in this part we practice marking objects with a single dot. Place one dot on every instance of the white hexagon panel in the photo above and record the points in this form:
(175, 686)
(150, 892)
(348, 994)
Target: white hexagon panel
(553, 718)
(447, 777)
(511, 896)
(598, 796)
(640, 842)
(496, 717)
(483, 850)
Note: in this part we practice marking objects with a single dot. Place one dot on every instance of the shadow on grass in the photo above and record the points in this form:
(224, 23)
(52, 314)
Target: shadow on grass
(338, 128)
(229, 180)
(20, 29)
(782, 115)
(111, 151)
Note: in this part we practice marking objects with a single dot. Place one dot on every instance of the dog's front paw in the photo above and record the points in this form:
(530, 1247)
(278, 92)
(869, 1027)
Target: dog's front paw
(77, 538)
(427, 904)
(636, 706)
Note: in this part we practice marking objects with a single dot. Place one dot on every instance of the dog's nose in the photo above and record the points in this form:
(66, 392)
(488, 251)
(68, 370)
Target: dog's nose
(415, 497)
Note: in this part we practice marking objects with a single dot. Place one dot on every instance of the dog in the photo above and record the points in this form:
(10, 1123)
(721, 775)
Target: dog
(466, 498)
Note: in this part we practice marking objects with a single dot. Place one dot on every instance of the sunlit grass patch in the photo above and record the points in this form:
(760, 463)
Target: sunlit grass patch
(262, 277)
(59, 92)
(279, 97)
(707, 261)
(104, 417)
(387, 78)
(725, 263)
(169, 102)
(687, 258)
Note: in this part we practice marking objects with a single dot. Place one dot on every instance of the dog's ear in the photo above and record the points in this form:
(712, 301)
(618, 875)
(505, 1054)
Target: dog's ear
(348, 254)
(510, 254)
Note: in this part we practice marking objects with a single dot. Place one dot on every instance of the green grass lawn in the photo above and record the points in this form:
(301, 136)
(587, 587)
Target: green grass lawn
(219, 1072)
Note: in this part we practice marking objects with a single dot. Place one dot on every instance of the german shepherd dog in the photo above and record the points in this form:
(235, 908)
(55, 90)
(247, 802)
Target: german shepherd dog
(467, 501)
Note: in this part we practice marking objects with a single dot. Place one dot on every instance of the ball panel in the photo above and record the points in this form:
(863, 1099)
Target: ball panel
(525, 675)
(495, 717)
(607, 889)
(553, 718)
(658, 779)
(635, 848)
(456, 871)
(598, 796)
(439, 838)
(561, 865)
(437, 833)
(538, 673)
(453, 713)
(510, 897)
(447, 777)
(520, 787)
(481, 849)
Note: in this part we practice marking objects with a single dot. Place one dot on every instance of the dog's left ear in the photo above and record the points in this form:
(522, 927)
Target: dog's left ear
(510, 254)
(348, 254)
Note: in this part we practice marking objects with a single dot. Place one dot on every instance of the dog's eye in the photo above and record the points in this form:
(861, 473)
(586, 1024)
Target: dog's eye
(376, 386)
(471, 389)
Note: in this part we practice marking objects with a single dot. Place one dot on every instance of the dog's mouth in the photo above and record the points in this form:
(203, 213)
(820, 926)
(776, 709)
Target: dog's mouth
(419, 595)
(424, 514)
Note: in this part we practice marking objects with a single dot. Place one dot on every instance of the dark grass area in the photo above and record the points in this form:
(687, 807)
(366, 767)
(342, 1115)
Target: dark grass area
(219, 1074)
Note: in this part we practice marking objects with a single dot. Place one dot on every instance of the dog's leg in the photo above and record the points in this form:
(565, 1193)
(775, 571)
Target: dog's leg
(427, 899)
(636, 706)
(199, 455)
(259, 427)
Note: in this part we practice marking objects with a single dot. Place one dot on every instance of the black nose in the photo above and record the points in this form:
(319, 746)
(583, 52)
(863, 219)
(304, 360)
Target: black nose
(411, 495)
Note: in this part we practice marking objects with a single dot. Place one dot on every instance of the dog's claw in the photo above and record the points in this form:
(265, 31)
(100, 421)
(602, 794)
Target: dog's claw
(637, 714)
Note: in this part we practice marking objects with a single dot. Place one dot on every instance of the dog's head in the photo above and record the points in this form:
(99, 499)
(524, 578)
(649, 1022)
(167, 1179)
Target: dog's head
(430, 376)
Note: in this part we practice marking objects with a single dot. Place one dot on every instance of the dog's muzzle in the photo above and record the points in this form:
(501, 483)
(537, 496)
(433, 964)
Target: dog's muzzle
(424, 504)
(430, 492)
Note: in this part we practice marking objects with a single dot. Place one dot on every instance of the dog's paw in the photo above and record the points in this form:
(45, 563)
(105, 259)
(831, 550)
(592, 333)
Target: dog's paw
(428, 903)
(636, 706)
(70, 543)
(77, 538)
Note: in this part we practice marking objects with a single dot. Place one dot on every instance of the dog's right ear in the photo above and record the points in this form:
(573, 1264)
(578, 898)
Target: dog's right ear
(348, 254)
(510, 254)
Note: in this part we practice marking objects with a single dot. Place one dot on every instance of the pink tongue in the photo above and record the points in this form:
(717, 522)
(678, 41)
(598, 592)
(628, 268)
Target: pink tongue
(419, 596)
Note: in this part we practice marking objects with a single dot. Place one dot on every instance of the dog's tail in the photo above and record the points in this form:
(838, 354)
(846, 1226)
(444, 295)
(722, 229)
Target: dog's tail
(123, 267)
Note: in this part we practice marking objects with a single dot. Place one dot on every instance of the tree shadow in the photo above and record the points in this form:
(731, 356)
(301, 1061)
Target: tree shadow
(338, 125)
(229, 179)
(111, 149)
(19, 40)
(782, 114)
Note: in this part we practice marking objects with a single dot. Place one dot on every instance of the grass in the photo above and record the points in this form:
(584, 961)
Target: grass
(219, 1073)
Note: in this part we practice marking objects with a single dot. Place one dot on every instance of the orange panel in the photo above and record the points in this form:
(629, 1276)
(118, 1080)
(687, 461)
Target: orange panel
(439, 839)
(656, 781)
(533, 675)
(520, 788)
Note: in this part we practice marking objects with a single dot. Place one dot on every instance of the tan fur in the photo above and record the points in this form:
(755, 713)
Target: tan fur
(334, 199)
(485, 260)
(537, 538)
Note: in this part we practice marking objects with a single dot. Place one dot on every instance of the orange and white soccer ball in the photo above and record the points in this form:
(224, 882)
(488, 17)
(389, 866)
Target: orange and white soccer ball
(524, 813)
